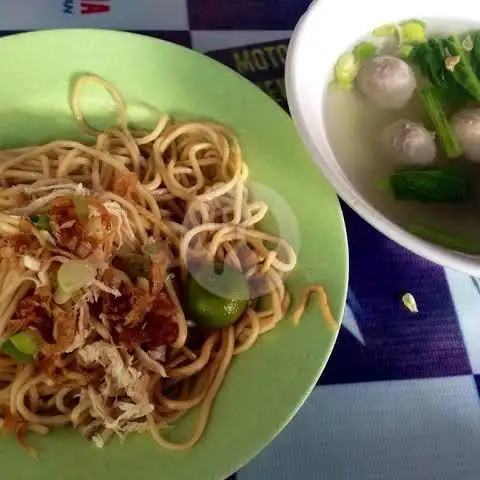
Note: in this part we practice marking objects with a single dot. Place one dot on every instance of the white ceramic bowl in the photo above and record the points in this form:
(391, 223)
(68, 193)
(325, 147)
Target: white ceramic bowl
(328, 29)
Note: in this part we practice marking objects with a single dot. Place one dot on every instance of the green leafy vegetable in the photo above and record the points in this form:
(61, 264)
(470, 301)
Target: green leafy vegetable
(432, 185)
(430, 57)
(467, 43)
(463, 71)
(450, 67)
(444, 239)
(81, 206)
(446, 135)
(364, 50)
(475, 54)
(41, 222)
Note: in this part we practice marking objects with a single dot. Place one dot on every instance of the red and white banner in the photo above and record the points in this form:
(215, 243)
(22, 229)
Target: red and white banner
(118, 14)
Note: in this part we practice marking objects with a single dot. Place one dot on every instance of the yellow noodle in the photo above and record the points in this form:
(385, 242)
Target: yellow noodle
(324, 307)
(183, 183)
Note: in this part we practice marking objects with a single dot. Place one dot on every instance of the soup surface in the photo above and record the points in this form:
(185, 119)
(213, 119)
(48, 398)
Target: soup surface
(355, 124)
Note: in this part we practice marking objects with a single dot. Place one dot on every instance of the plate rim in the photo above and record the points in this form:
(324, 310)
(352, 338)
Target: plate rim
(339, 214)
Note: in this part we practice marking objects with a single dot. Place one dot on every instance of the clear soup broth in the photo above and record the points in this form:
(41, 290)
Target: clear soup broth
(354, 124)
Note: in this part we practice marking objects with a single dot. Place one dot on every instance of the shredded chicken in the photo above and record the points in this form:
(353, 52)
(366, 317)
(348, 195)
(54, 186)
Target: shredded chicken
(120, 380)
(105, 288)
(74, 234)
(124, 376)
(159, 353)
(122, 227)
(84, 327)
(149, 363)
(130, 411)
(109, 336)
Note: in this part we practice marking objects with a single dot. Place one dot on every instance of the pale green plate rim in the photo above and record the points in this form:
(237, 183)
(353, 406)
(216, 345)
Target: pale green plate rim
(35, 73)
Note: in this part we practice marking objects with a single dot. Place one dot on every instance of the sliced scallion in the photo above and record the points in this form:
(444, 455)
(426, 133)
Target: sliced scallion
(410, 303)
(21, 346)
(75, 274)
(387, 30)
(346, 69)
(405, 50)
(81, 206)
(413, 31)
(25, 342)
(42, 222)
(364, 50)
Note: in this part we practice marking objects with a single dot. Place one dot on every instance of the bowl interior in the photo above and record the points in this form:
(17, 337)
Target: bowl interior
(340, 133)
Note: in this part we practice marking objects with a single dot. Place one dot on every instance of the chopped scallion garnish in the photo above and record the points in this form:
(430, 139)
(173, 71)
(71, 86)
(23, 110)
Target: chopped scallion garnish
(346, 69)
(81, 206)
(21, 346)
(387, 30)
(75, 274)
(410, 303)
(25, 342)
(405, 50)
(413, 31)
(364, 50)
(41, 222)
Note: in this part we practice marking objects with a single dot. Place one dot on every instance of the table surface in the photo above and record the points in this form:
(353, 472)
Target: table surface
(399, 398)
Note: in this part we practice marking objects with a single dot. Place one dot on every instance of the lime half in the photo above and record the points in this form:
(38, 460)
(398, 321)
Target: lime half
(216, 295)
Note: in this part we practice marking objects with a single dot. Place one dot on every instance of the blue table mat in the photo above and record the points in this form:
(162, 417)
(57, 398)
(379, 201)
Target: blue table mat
(399, 398)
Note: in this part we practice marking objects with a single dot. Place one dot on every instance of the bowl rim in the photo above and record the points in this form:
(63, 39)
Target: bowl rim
(325, 159)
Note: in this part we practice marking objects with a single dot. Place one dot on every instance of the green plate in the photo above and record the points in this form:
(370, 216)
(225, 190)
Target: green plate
(266, 385)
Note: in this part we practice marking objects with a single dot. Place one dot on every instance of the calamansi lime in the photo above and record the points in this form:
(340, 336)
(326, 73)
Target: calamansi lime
(216, 295)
